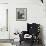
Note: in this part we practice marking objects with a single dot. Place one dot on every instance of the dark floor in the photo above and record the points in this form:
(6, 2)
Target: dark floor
(29, 44)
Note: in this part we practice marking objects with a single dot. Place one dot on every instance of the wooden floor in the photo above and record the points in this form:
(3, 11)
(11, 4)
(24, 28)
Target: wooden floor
(6, 40)
(27, 44)
(6, 44)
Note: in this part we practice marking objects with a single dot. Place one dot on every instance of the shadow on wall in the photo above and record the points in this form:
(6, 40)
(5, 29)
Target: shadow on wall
(41, 34)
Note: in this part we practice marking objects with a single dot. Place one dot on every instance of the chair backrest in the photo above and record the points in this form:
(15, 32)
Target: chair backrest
(33, 28)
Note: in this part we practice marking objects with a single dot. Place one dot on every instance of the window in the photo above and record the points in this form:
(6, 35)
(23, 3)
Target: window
(3, 17)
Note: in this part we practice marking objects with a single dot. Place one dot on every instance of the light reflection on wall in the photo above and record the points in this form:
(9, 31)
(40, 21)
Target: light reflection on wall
(3, 17)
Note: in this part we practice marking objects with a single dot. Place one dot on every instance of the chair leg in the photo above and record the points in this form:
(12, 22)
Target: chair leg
(32, 42)
(20, 42)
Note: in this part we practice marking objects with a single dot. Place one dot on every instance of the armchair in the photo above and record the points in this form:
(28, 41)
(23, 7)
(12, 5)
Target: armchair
(33, 30)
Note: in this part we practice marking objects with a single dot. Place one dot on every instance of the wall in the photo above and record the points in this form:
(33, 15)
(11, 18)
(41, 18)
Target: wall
(3, 1)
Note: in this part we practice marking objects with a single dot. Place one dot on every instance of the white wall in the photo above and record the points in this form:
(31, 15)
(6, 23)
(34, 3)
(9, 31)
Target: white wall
(3, 1)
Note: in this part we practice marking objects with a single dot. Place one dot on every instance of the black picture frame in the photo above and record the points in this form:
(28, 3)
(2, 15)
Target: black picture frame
(21, 14)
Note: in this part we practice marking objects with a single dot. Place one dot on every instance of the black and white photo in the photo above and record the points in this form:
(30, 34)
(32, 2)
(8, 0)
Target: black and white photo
(21, 14)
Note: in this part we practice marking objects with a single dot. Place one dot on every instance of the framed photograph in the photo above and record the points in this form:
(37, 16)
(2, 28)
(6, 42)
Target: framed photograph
(21, 14)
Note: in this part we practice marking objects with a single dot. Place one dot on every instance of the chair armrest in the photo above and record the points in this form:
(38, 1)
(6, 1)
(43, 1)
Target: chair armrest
(24, 32)
(22, 35)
